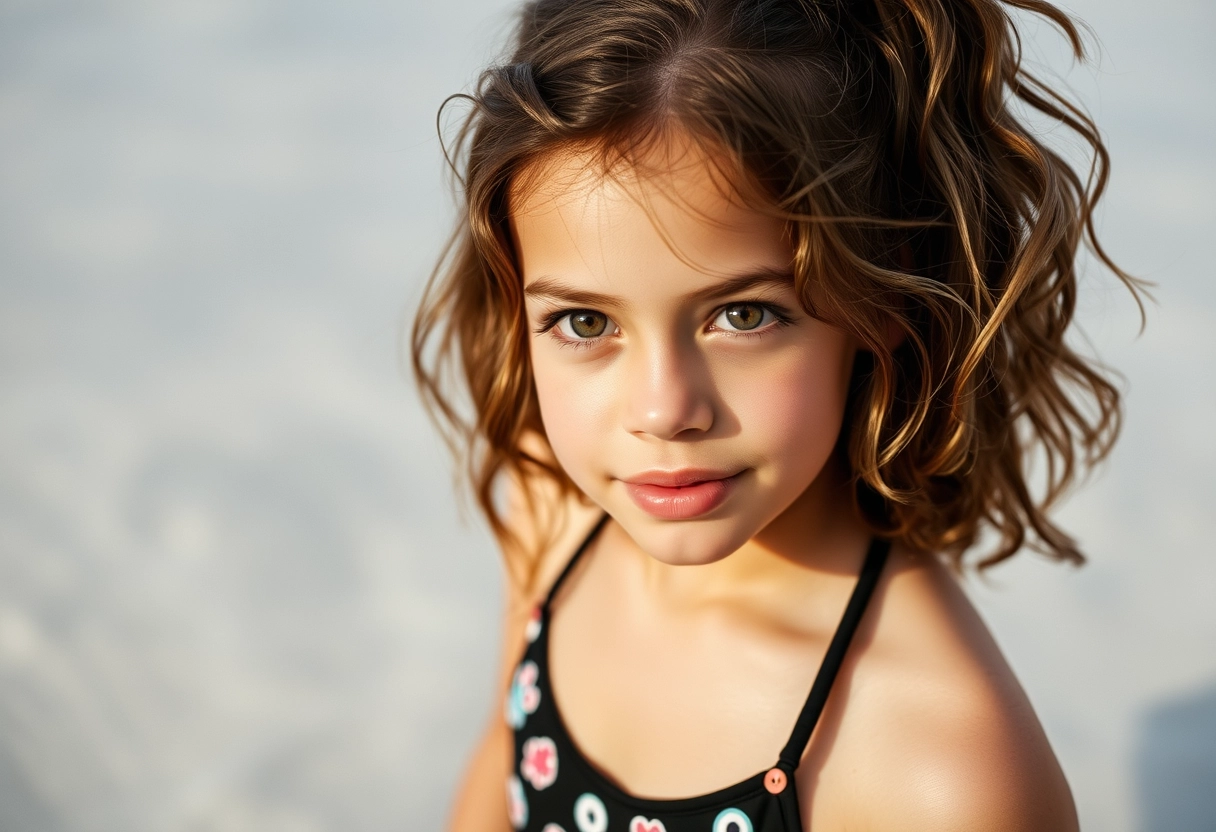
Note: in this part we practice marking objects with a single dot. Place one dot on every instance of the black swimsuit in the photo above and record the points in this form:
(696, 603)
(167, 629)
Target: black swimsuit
(553, 788)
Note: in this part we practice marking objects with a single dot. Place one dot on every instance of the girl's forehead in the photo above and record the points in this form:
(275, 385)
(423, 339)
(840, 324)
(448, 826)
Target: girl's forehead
(675, 167)
(574, 212)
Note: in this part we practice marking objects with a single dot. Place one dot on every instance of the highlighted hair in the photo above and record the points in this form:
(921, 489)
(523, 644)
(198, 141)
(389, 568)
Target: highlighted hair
(886, 133)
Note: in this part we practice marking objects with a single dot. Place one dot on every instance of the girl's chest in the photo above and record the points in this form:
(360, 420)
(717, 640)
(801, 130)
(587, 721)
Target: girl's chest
(671, 706)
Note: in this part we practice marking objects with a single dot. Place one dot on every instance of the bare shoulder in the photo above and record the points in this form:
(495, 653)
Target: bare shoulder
(932, 730)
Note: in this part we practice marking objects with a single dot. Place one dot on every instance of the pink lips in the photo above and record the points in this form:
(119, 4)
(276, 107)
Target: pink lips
(680, 495)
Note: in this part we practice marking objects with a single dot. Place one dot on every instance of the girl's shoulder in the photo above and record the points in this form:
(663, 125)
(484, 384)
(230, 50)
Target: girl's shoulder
(932, 730)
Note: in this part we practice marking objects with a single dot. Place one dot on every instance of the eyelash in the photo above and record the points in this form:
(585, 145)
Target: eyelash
(550, 322)
(780, 314)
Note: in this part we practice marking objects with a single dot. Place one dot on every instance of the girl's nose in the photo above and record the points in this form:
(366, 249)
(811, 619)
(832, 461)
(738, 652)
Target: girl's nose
(669, 395)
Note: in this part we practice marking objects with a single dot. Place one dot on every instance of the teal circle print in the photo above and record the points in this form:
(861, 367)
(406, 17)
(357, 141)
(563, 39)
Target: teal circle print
(732, 820)
(590, 814)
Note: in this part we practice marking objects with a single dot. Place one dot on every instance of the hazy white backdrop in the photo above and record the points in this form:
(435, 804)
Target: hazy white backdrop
(235, 592)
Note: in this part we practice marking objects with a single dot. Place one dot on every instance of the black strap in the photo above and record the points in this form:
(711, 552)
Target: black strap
(582, 547)
(876, 557)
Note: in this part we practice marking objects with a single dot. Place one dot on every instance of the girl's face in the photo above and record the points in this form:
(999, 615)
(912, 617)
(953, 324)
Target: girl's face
(681, 385)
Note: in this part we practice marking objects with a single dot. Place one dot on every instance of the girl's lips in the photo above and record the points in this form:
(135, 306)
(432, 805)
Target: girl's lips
(679, 495)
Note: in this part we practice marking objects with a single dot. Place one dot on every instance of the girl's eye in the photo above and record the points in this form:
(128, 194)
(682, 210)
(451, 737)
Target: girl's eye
(584, 324)
(742, 317)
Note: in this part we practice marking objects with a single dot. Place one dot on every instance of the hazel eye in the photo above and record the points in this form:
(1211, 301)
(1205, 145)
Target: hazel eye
(584, 324)
(742, 317)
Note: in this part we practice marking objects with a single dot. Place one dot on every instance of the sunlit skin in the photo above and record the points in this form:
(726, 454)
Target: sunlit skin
(673, 383)
(666, 337)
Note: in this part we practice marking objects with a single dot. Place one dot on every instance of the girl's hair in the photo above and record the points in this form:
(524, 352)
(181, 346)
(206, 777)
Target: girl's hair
(887, 134)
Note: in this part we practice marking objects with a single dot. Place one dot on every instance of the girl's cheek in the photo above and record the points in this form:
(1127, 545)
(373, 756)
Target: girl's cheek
(791, 411)
(575, 407)
(788, 410)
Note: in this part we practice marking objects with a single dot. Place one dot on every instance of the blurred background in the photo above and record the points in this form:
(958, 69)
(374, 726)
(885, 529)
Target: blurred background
(236, 592)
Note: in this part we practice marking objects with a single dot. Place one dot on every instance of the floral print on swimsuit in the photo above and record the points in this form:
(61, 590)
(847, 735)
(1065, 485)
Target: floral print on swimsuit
(535, 622)
(517, 803)
(538, 763)
(524, 697)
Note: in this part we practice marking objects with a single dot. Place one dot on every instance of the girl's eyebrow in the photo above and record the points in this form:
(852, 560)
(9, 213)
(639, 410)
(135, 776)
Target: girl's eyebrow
(762, 278)
(553, 289)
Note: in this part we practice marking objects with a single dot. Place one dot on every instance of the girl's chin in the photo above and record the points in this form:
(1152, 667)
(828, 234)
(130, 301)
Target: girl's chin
(688, 542)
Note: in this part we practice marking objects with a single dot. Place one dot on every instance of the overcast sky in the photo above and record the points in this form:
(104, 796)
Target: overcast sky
(235, 590)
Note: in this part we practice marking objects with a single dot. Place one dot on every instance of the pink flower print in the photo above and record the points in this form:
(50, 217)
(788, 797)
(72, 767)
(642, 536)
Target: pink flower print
(517, 803)
(532, 628)
(552, 827)
(539, 763)
(640, 824)
(524, 696)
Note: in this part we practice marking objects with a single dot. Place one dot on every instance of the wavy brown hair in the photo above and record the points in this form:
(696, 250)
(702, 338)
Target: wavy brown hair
(891, 135)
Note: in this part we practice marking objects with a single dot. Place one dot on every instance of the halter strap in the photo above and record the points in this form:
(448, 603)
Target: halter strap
(871, 569)
(578, 553)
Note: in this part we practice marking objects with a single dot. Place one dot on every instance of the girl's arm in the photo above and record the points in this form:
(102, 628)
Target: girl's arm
(481, 799)
(481, 804)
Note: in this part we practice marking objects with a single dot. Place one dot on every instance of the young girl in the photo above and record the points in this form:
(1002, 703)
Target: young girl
(761, 308)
